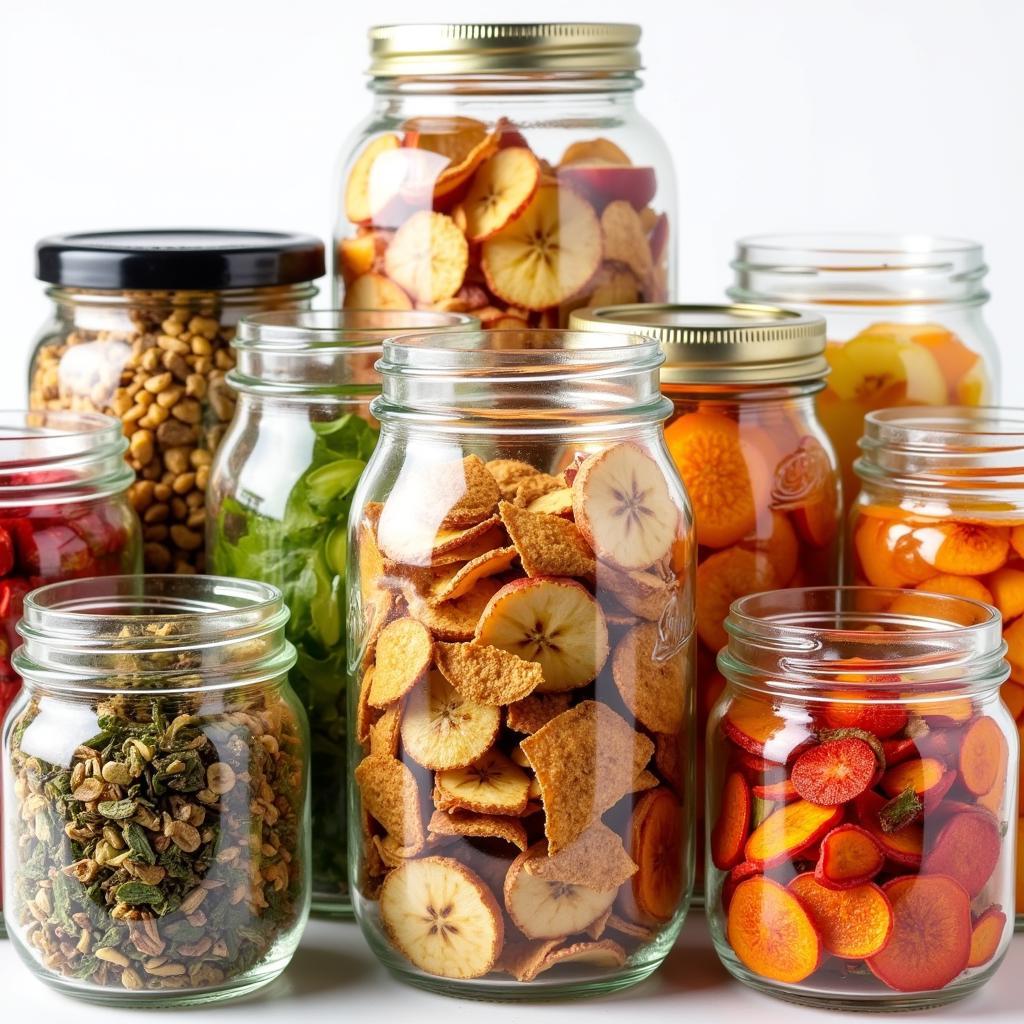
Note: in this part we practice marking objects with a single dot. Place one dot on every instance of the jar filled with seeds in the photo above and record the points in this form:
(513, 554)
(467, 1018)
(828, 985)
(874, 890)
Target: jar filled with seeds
(155, 790)
(141, 329)
(522, 620)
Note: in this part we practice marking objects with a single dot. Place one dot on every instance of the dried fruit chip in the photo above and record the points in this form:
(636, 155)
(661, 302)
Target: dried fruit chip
(652, 687)
(986, 936)
(389, 793)
(585, 760)
(928, 777)
(466, 824)
(375, 291)
(835, 772)
(554, 503)
(853, 923)
(493, 784)
(635, 931)
(547, 545)
(509, 474)
(597, 860)
(384, 733)
(669, 760)
(605, 955)
(849, 857)
(983, 756)
(789, 831)
(534, 712)
(594, 151)
(533, 487)
(731, 830)
(501, 190)
(625, 240)
(428, 256)
(967, 849)
(904, 846)
(357, 189)
(418, 543)
(448, 587)
(487, 675)
(365, 715)
(656, 844)
(644, 593)
(457, 619)
(403, 655)
(523, 958)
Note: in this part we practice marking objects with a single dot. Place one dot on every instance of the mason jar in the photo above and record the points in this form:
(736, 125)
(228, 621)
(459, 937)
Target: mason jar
(279, 495)
(905, 320)
(941, 509)
(862, 786)
(141, 329)
(155, 790)
(506, 171)
(521, 594)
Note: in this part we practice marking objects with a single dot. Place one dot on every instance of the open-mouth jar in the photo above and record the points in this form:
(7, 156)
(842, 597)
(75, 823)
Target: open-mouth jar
(905, 321)
(505, 171)
(941, 509)
(862, 786)
(279, 496)
(521, 591)
(155, 790)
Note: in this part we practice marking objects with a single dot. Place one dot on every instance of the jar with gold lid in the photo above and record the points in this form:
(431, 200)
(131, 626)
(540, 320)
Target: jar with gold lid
(504, 170)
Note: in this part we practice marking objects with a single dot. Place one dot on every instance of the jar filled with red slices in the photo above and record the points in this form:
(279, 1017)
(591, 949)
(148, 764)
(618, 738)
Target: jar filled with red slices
(862, 793)
(521, 598)
(64, 513)
(505, 171)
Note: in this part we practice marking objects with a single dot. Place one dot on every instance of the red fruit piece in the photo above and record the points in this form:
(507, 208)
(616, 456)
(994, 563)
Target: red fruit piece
(783, 792)
(740, 873)
(930, 943)
(834, 772)
(983, 756)
(853, 923)
(59, 553)
(986, 936)
(604, 183)
(6, 552)
(862, 710)
(928, 777)
(898, 750)
(19, 530)
(789, 831)
(850, 856)
(967, 849)
(905, 847)
(733, 826)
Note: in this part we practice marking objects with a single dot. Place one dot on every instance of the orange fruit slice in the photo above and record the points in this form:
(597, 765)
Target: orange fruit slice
(721, 579)
(963, 549)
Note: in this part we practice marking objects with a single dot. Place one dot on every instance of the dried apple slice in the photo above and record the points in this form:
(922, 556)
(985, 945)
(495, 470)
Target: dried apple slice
(625, 240)
(357, 189)
(375, 291)
(590, 151)
(602, 184)
(501, 189)
(402, 182)
(428, 256)
(546, 255)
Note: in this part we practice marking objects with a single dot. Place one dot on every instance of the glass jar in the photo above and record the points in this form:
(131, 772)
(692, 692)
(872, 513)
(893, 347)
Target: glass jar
(758, 467)
(910, 304)
(141, 329)
(504, 170)
(521, 593)
(941, 509)
(64, 514)
(156, 790)
(278, 499)
(862, 780)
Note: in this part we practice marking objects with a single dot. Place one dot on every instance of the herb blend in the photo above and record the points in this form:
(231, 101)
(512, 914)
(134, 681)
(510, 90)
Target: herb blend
(156, 810)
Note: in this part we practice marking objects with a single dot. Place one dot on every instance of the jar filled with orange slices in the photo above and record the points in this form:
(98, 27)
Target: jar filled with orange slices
(905, 320)
(521, 622)
(504, 171)
(757, 466)
(862, 792)
(941, 509)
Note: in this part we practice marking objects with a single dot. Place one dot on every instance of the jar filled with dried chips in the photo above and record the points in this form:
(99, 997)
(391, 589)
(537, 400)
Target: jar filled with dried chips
(141, 329)
(522, 600)
(758, 467)
(156, 811)
(279, 495)
(505, 171)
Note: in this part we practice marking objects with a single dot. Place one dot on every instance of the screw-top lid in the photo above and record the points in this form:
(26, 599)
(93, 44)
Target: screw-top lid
(453, 49)
(176, 258)
(737, 344)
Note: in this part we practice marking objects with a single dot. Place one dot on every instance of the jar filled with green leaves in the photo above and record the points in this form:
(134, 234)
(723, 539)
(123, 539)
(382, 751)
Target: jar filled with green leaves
(156, 790)
(278, 500)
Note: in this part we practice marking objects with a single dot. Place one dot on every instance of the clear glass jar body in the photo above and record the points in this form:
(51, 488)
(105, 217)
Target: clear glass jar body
(156, 790)
(158, 362)
(590, 179)
(280, 490)
(862, 780)
(775, 524)
(913, 305)
(466, 780)
(941, 509)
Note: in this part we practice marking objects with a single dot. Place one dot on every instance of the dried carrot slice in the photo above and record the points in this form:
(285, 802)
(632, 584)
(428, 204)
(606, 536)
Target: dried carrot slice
(721, 579)
(967, 849)
(905, 846)
(738, 874)
(729, 836)
(789, 831)
(771, 932)
(835, 772)
(782, 792)
(758, 728)
(853, 923)
(931, 937)
(964, 549)
(864, 709)
(983, 755)
(928, 777)
(850, 856)
(986, 935)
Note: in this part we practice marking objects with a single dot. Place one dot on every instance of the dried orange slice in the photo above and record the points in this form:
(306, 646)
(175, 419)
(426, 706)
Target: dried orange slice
(501, 189)
(428, 256)
(721, 579)
(357, 189)
(546, 255)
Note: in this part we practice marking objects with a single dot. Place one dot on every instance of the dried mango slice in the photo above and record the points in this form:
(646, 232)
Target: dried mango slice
(428, 256)
(853, 923)
(403, 656)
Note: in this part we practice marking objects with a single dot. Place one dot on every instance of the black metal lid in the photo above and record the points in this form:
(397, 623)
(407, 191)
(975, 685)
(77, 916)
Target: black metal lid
(166, 258)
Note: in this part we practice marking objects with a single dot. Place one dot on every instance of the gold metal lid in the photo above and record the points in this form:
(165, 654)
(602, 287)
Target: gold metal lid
(736, 344)
(469, 48)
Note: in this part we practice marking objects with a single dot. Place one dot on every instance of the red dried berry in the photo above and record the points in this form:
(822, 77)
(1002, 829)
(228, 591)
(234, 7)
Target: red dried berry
(834, 772)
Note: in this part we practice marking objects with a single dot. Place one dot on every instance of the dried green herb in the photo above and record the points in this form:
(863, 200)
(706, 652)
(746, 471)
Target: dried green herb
(900, 811)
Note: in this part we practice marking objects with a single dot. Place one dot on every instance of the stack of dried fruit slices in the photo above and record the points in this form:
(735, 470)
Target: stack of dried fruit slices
(453, 215)
(520, 761)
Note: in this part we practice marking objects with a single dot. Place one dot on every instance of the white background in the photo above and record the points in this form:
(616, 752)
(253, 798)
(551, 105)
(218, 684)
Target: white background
(781, 114)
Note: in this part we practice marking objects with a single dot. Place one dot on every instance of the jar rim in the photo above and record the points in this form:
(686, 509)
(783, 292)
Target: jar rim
(880, 247)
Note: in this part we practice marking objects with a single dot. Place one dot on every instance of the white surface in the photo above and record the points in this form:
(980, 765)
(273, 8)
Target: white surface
(334, 977)
(793, 114)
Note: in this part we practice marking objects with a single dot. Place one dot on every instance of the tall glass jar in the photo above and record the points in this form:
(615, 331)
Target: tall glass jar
(64, 514)
(758, 467)
(941, 509)
(905, 320)
(156, 790)
(141, 329)
(862, 781)
(504, 170)
(279, 495)
(522, 587)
